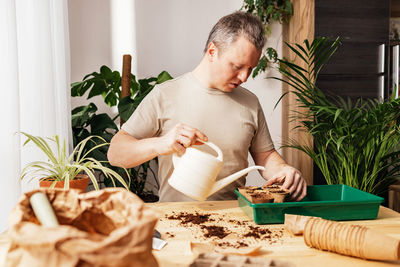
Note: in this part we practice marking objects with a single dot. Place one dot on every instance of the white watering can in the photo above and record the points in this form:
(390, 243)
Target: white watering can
(195, 172)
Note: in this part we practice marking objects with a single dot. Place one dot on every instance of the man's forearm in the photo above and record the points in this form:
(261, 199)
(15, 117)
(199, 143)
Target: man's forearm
(272, 162)
(127, 151)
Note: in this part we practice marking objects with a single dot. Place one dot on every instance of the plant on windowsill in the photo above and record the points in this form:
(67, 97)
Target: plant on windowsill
(86, 121)
(67, 171)
(354, 144)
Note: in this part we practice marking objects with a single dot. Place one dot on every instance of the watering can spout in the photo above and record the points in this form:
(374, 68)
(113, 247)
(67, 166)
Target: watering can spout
(231, 178)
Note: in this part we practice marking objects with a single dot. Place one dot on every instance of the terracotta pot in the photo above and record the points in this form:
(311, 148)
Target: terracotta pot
(80, 182)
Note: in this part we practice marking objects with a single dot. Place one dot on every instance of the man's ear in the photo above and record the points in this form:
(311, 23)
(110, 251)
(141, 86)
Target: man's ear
(212, 51)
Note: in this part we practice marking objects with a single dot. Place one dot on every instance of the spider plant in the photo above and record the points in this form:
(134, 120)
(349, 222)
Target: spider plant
(63, 167)
(357, 144)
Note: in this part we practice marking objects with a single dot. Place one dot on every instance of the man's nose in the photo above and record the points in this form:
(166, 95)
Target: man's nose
(243, 75)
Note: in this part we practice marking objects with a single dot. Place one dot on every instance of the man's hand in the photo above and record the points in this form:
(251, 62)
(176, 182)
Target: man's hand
(179, 138)
(290, 178)
(127, 151)
(278, 171)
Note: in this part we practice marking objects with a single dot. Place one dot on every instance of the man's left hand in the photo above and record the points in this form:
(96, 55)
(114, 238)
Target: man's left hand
(291, 179)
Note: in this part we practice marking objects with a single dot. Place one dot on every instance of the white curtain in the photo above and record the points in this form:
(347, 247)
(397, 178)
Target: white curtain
(35, 92)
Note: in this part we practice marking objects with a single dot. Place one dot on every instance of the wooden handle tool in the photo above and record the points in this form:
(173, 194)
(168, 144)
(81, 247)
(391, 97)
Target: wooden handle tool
(43, 210)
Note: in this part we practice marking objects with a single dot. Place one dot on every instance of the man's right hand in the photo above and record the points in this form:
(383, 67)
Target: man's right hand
(179, 138)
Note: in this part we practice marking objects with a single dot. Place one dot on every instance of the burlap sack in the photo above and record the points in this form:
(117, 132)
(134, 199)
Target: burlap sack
(110, 227)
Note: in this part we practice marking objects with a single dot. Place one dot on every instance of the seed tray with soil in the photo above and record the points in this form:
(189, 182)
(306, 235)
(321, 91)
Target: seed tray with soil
(266, 194)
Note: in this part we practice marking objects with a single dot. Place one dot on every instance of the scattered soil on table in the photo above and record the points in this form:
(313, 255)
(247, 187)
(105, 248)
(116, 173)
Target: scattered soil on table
(237, 244)
(170, 235)
(236, 222)
(265, 234)
(257, 232)
(213, 230)
(186, 218)
(209, 226)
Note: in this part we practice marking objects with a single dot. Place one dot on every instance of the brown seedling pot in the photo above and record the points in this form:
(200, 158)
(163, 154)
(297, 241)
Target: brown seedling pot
(279, 194)
(244, 190)
(261, 197)
(352, 240)
(247, 190)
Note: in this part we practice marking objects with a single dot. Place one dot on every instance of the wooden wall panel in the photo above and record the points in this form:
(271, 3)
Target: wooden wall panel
(394, 8)
(300, 27)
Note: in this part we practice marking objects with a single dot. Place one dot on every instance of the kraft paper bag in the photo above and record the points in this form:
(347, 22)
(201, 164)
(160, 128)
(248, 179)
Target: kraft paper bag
(109, 227)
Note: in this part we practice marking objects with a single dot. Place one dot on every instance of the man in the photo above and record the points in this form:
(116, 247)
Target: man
(208, 104)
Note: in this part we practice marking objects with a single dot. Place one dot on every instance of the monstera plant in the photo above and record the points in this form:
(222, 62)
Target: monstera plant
(357, 144)
(86, 121)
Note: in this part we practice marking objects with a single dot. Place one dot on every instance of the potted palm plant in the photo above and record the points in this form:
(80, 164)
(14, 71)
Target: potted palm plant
(357, 144)
(67, 171)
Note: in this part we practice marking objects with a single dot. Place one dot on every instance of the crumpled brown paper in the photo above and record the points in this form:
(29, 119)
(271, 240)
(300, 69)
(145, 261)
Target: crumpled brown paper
(110, 227)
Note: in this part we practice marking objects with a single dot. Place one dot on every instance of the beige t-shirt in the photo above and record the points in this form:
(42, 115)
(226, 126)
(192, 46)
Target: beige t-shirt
(233, 121)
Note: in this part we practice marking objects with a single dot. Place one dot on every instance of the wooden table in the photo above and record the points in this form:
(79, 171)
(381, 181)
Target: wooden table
(227, 213)
(287, 247)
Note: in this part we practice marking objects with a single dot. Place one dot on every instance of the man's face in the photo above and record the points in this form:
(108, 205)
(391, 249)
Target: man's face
(232, 66)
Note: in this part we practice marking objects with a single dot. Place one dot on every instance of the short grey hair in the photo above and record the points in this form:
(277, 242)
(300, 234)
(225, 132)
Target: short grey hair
(234, 25)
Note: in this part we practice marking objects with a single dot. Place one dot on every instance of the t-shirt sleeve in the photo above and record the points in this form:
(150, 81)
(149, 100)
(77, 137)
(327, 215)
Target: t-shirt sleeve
(144, 121)
(262, 139)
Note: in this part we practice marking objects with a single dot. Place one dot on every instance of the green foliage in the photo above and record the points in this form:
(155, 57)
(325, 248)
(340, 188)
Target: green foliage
(354, 144)
(268, 11)
(86, 122)
(63, 167)
(106, 83)
(139, 177)
(265, 61)
(139, 90)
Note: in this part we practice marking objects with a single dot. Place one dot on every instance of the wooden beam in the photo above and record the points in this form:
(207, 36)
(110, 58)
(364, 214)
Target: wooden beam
(300, 27)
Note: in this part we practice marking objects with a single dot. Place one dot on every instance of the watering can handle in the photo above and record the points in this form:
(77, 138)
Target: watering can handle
(215, 147)
(175, 157)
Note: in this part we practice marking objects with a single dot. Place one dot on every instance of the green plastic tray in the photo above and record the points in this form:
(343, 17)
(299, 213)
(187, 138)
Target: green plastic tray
(332, 202)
